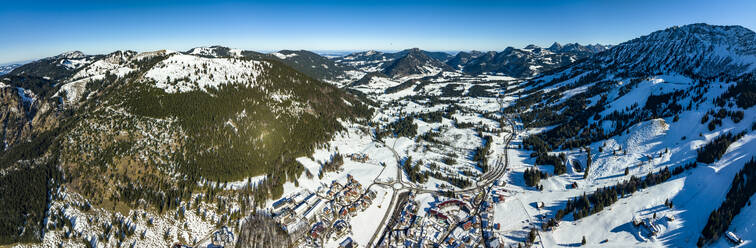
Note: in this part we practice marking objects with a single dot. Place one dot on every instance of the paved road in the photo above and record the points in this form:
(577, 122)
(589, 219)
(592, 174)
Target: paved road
(486, 179)
(394, 193)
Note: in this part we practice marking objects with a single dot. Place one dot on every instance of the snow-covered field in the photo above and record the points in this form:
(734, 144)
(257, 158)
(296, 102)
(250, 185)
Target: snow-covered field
(178, 73)
(452, 115)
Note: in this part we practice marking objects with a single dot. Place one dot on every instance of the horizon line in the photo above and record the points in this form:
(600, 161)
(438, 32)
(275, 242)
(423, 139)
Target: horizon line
(317, 51)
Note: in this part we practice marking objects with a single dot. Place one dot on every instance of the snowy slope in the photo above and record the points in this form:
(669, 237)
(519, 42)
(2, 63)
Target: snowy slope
(649, 97)
(178, 73)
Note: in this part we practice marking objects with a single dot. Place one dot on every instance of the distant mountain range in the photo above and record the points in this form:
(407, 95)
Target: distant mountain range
(525, 62)
(145, 130)
(4, 69)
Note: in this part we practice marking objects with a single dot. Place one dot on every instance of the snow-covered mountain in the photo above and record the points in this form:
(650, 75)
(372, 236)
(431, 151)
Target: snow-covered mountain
(526, 62)
(309, 63)
(368, 61)
(462, 58)
(576, 48)
(317, 66)
(640, 144)
(415, 62)
(676, 98)
(372, 61)
(197, 114)
(696, 49)
(215, 51)
(56, 67)
(5, 69)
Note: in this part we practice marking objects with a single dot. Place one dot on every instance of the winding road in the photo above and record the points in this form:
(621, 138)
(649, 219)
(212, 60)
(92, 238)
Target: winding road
(398, 186)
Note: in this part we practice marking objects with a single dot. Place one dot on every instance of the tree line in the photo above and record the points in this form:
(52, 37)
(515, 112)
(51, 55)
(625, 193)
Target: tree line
(742, 188)
(588, 204)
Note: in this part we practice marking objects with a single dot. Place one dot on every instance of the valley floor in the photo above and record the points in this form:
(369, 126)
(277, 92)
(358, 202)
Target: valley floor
(373, 200)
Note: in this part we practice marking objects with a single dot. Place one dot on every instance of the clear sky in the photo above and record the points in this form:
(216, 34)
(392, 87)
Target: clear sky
(35, 29)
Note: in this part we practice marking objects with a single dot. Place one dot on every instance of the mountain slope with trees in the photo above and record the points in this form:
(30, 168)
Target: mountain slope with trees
(161, 124)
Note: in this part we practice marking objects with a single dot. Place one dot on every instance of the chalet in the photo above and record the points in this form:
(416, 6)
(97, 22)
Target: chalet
(347, 243)
(733, 238)
(364, 204)
(439, 216)
(467, 225)
(407, 243)
(293, 226)
(340, 225)
(284, 213)
(336, 186)
(353, 209)
(313, 211)
(280, 203)
(359, 157)
(650, 226)
(484, 204)
(452, 202)
(316, 230)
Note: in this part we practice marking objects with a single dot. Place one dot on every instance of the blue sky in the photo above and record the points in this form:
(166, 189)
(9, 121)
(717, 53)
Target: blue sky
(35, 29)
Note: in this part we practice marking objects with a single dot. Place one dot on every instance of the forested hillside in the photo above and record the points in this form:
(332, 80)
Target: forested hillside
(129, 139)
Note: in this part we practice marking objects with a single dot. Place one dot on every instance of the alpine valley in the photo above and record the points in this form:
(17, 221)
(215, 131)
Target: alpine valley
(646, 143)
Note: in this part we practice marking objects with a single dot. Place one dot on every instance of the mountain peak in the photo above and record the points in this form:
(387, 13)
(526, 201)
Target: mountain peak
(70, 55)
(415, 62)
(414, 50)
(734, 36)
(696, 49)
(215, 51)
(555, 46)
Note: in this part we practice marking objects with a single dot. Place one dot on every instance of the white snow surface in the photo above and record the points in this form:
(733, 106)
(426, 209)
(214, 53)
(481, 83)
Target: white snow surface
(170, 74)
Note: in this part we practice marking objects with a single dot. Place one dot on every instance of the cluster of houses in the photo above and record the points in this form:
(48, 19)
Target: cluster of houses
(311, 217)
(450, 211)
(466, 221)
(450, 222)
(477, 227)
(402, 229)
(358, 157)
(408, 215)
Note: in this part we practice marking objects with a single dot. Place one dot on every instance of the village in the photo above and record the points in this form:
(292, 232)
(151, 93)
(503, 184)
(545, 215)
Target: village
(465, 220)
(312, 218)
